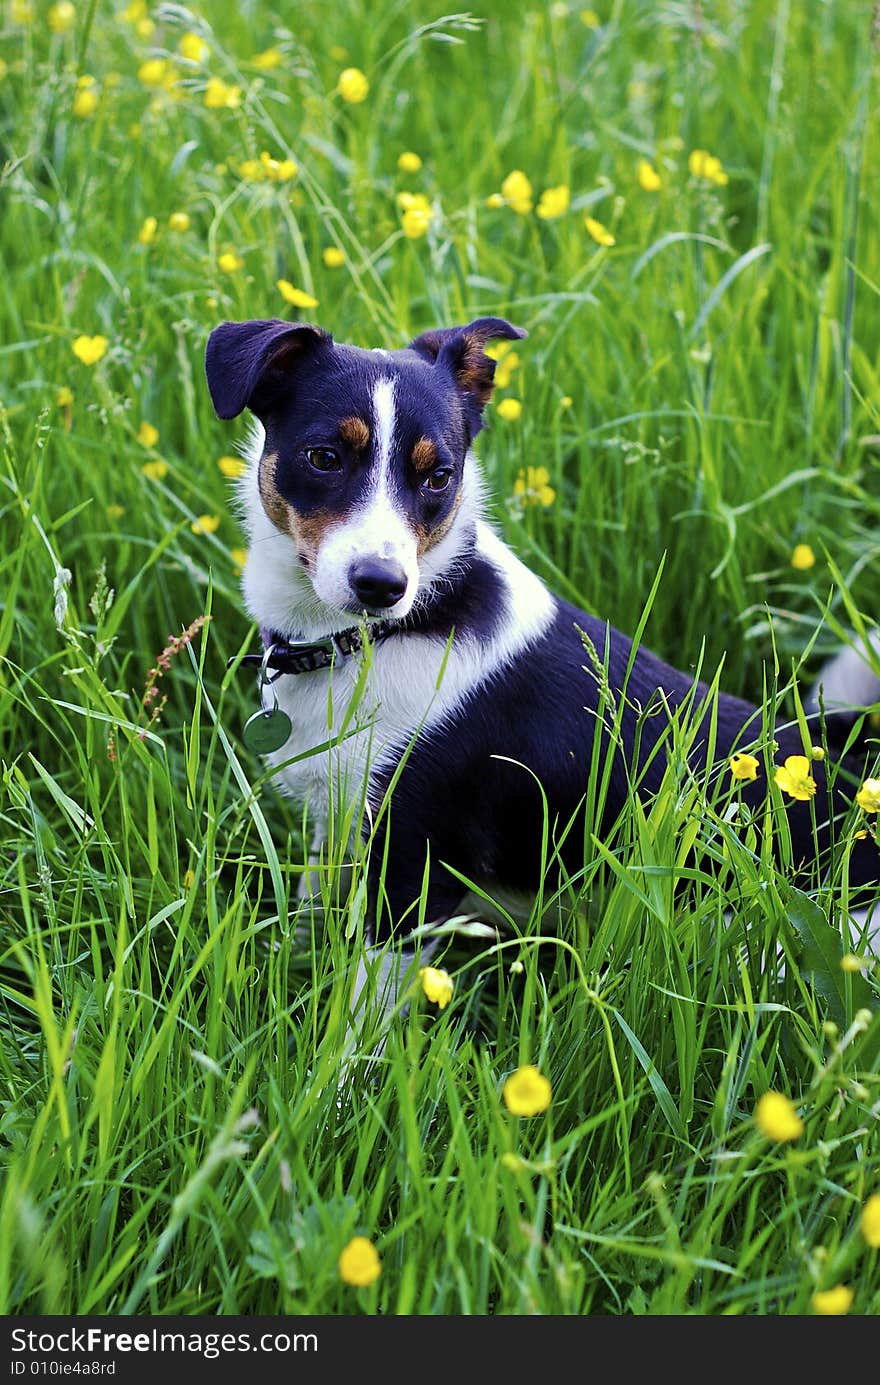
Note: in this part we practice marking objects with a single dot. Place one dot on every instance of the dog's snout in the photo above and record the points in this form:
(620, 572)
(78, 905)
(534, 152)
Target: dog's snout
(377, 584)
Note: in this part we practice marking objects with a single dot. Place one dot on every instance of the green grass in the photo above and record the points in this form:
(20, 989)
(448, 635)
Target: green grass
(175, 1135)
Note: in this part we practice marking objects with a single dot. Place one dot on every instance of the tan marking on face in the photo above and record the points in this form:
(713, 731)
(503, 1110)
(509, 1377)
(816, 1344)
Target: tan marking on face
(426, 539)
(307, 532)
(424, 455)
(274, 504)
(355, 432)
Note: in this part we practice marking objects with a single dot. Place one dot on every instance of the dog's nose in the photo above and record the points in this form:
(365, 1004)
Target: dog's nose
(377, 585)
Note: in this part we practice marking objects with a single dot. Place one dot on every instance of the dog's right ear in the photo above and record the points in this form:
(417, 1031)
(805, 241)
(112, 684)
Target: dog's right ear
(248, 363)
(462, 352)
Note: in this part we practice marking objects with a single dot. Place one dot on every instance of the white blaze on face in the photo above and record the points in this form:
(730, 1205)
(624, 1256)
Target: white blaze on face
(377, 529)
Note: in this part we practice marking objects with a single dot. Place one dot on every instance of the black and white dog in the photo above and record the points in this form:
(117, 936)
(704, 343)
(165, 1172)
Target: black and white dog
(364, 500)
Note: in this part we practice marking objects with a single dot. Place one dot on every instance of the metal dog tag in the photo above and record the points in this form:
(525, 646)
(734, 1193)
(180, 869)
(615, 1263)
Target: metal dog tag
(266, 731)
(269, 728)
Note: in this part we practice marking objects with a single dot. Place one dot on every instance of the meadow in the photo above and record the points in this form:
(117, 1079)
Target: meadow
(679, 201)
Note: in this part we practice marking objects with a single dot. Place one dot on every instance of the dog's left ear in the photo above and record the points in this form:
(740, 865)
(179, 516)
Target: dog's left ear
(249, 364)
(462, 351)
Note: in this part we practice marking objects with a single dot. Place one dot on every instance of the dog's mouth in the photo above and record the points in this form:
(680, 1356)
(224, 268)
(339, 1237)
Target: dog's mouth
(361, 612)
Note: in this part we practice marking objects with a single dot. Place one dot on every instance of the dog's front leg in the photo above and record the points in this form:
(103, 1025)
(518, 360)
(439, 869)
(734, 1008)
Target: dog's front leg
(383, 972)
(388, 965)
(309, 881)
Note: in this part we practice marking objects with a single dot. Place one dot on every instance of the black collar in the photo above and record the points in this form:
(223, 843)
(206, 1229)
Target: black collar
(305, 656)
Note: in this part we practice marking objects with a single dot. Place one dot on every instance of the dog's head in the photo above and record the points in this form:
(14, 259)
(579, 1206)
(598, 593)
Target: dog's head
(365, 451)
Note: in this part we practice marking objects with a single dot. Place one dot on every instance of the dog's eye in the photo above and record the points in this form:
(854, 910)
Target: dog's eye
(439, 479)
(323, 459)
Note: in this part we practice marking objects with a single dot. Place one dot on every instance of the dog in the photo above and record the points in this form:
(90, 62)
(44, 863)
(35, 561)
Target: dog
(486, 700)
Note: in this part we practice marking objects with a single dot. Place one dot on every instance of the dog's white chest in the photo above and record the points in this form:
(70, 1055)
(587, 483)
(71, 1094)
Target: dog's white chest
(350, 720)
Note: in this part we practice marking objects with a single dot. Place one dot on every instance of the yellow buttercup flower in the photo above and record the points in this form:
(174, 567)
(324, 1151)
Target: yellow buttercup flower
(590, 19)
(221, 95)
(776, 1117)
(359, 1263)
(206, 524)
(601, 235)
(153, 72)
(851, 963)
(89, 350)
(802, 557)
(649, 178)
(868, 796)
(239, 557)
(510, 410)
(115, 512)
(553, 202)
(715, 172)
(229, 262)
(333, 257)
(64, 397)
(145, 28)
(268, 59)
(353, 85)
(704, 165)
(795, 779)
(527, 1092)
(193, 48)
(417, 214)
(415, 222)
(517, 192)
(61, 17)
(21, 12)
(508, 363)
(298, 298)
(282, 170)
(833, 1303)
(409, 162)
(532, 485)
(413, 201)
(437, 985)
(156, 470)
(147, 233)
(86, 98)
(147, 434)
(743, 766)
(869, 1222)
(265, 167)
(134, 11)
(494, 201)
(232, 466)
(178, 221)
